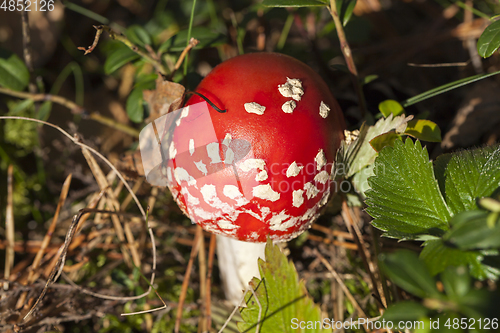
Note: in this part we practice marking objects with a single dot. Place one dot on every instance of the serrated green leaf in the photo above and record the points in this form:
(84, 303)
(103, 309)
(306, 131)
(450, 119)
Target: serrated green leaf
(119, 57)
(390, 106)
(13, 72)
(467, 175)
(384, 140)
(489, 41)
(408, 272)
(438, 257)
(206, 38)
(282, 297)
(405, 311)
(456, 282)
(404, 198)
(294, 3)
(424, 130)
(138, 35)
(470, 231)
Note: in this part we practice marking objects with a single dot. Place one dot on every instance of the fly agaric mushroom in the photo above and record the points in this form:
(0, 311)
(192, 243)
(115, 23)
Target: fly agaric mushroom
(255, 162)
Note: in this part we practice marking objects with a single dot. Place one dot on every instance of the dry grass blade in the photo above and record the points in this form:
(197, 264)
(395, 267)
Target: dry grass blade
(112, 202)
(208, 308)
(77, 142)
(56, 271)
(342, 285)
(365, 255)
(202, 261)
(9, 228)
(48, 236)
(185, 282)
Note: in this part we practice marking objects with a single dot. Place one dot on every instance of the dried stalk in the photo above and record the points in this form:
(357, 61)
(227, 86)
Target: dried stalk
(185, 282)
(9, 228)
(117, 36)
(346, 51)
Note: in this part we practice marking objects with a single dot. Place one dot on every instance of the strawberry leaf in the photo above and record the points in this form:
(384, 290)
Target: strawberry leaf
(467, 175)
(283, 299)
(404, 199)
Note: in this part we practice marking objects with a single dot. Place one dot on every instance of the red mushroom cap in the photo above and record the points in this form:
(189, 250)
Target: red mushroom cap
(264, 166)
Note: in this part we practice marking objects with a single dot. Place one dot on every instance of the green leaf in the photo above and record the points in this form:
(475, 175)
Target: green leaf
(294, 3)
(13, 72)
(369, 78)
(438, 257)
(390, 106)
(384, 140)
(456, 282)
(489, 41)
(22, 106)
(404, 199)
(470, 231)
(467, 175)
(119, 57)
(282, 297)
(138, 35)
(405, 311)
(446, 87)
(424, 130)
(206, 38)
(135, 106)
(344, 10)
(408, 272)
(44, 111)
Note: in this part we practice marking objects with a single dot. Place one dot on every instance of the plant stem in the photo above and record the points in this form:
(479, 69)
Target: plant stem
(75, 108)
(189, 36)
(122, 38)
(346, 51)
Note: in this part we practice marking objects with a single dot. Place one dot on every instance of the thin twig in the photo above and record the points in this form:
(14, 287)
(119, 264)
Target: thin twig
(77, 142)
(446, 64)
(185, 282)
(365, 254)
(470, 42)
(192, 43)
(28, 60)
(117, 36)
(346, 51)
(9, 228)
(73, 107)
(211, 252)
(202, 262)
(342, 285)
(50, 231)
(259, 317)
(237, 306)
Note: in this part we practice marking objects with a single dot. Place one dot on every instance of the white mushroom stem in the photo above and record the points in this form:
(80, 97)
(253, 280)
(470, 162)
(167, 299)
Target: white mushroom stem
(237, 265)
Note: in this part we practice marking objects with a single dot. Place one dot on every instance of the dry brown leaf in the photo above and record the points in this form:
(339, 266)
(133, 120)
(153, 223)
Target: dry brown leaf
(167, 97)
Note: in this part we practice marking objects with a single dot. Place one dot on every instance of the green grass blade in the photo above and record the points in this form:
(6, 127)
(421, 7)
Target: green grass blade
(446, 87)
